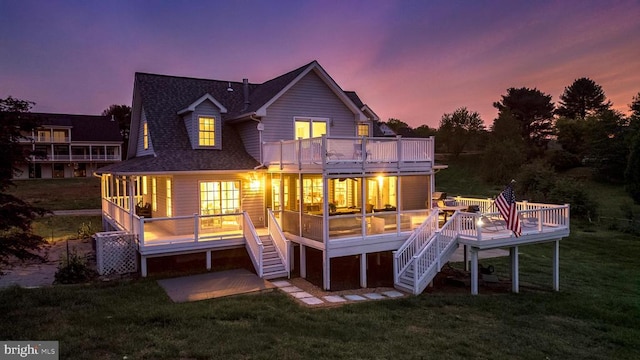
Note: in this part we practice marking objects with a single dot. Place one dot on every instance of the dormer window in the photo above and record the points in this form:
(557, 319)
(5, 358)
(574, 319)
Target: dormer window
(206, 131)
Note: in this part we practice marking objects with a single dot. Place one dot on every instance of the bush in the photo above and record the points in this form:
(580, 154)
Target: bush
(535, 181)
(73, 269)
(85, 230)
(563, 160)
(574, 193)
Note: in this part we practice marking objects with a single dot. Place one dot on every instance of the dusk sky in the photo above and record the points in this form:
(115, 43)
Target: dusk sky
(411, 60)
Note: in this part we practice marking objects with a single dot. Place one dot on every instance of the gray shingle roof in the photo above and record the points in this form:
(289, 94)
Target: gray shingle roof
(83, 127)
(163, 96)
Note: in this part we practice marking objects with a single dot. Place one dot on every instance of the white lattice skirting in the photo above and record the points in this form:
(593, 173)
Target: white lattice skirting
(116, 252)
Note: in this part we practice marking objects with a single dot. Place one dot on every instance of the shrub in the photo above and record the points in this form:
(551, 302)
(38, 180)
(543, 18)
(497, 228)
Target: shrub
(563, 160)
(574, 193)
(73, 269)
(535, 181)
(85, 230)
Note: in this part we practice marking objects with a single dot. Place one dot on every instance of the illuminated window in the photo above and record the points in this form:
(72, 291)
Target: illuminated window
(169, 202)
(310, 128)
(145, 136)
(144, 185)
(60, 136)
(312, 193)
(363, 129)
(218, 197)
(154, 194)
(206, 131)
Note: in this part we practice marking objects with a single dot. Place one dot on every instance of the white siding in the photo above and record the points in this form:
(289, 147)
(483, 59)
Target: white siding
(250, 138)
(186, 195)
(309, 97)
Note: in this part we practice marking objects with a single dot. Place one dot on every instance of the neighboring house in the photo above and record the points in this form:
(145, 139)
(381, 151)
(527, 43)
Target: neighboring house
(288, 169)
(65, 146)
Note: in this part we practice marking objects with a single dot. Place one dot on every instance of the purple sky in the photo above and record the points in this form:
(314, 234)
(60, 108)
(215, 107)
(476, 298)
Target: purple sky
(412, 60)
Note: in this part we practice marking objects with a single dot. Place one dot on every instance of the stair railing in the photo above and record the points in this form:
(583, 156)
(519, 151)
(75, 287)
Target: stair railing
(428, 261)
(254, 245)
(280, 242)
(403, 257)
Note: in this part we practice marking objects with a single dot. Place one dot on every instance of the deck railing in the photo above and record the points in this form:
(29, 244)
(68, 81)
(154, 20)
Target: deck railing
(403, 257)
(279, 240)
(329, 151)
(254, 245)
(428, 262)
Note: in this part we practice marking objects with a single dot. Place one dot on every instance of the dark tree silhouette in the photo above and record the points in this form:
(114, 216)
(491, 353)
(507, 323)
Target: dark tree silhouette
(16, 236)
(533, 111)
(122, 114)
(583, 97)
(458, 128)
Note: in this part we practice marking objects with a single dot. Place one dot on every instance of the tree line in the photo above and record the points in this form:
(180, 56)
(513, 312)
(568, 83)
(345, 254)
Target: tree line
(533, 135)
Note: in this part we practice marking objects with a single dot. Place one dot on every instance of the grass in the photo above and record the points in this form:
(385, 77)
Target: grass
(594, 316)
(59, 228)
(60, 194)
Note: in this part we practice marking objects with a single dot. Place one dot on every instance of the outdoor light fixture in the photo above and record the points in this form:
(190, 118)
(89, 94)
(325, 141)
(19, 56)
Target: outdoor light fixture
(254, 182)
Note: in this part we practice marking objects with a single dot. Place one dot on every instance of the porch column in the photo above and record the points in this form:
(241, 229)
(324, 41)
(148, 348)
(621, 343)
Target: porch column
(474, 271)
(513, 253)
(556, 265)
(303, 261)
(132, 206)
(326, 268)
(363, 270)
(209, 260)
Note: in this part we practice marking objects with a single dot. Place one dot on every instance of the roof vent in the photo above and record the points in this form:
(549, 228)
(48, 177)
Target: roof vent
(229, 89)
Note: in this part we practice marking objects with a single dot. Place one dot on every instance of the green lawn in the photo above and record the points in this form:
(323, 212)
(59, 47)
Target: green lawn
(60, 194)
(594, 316)
(58, 228)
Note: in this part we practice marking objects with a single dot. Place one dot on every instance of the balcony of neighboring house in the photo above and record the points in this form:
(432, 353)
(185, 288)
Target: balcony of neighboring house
(342, 154)
(71, 153)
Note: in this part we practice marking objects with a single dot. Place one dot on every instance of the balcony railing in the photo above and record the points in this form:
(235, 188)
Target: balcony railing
(66, 157)
(349, 151)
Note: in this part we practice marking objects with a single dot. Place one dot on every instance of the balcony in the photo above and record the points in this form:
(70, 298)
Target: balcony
(74, 158)
(339, 154)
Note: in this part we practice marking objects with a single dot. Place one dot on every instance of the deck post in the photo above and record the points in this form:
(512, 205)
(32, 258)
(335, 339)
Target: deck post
(466, 257)
(326, 270)
(143, 265)
(363, 270)
(474, 271)
(208, 259)
(303, 261)
(513, 253)
(556, 265)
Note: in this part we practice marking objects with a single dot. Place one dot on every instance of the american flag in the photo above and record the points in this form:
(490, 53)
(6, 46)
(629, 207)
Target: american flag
(506, 204)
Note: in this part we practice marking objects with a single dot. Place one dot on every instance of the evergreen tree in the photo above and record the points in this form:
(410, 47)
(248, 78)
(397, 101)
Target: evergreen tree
(532, 110)
(16, 236)
(122, 114)
(583, 97)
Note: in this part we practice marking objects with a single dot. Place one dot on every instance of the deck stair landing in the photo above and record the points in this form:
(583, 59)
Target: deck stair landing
(272, 266)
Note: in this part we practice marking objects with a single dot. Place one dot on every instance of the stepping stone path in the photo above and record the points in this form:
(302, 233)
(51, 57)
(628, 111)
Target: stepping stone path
(309, 299)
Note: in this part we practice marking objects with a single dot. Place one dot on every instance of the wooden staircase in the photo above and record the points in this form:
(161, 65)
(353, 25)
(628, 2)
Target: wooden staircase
(272, 265)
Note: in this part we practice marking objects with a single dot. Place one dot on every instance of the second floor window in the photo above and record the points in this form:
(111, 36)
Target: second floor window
(206, 131)
(363, 129)
(145, 135)
(309, 128)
